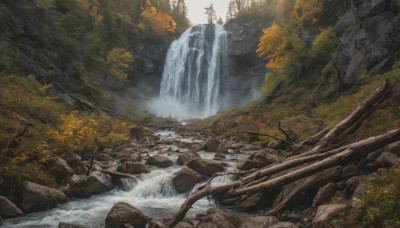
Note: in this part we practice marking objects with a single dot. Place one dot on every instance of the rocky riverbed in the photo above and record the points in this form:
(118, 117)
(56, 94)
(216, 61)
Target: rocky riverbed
(151, 176)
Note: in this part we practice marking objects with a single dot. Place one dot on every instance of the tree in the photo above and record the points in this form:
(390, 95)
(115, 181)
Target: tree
(323, 45)
(119, 62)
(159, 22)
(210, 14)
(220, 21)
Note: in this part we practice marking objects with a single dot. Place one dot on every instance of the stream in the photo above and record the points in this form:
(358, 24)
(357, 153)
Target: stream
(153, 194)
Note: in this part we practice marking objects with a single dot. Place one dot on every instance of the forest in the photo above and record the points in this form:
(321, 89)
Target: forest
(122, 113)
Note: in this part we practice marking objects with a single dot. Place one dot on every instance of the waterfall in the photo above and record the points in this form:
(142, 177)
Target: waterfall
(194, 67)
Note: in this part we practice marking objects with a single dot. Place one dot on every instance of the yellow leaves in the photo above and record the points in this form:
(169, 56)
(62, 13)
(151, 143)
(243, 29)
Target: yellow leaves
(159, 22)
(94, 7)
(120, 61)
(306, 11)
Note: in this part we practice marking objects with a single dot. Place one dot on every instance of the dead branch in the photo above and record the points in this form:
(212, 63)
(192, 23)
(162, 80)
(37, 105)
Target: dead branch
(261, 134)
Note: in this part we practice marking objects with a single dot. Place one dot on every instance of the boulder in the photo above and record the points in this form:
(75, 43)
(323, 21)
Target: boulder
(74, 160)
(284, 225)
(104, 157)
(327, 213)
(107, 151)
(349, 171)
(259, 222)
(212, 145)
(136, 157)
(277, 145)
(186, 157)
(185, 179)
(133, 167)
(219, 156)
(69, 225)
(215, 220)
(259, 159)
(324, 194)
(205, 167)
(387, 159)
(148, 140)
(8, 209)
(34, 197)
(60, 169)
(81, 169)
(394, 148)
(137, 133)
(96, 183)
(159, 161)
(183, 225)
(123, 213)
(196, 147)
(251, 202)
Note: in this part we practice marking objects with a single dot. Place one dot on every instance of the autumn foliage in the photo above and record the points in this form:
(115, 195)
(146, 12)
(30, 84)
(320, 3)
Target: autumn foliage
(160, 23)
(120, 62)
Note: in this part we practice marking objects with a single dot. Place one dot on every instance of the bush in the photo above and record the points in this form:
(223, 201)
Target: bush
(323, 46)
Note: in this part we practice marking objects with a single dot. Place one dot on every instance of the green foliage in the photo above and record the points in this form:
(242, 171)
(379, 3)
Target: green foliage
(323, 46)
(379, 207)
(120, 61)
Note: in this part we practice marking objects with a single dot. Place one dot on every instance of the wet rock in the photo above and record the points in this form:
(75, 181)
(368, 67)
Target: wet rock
(327, 213)
(186, 157)
(259, 222)
(94, 184)
(284, 225)
(159, 161)
(133, 167)
(8, 209)
(219, 156)
(259, 159)
(215, 220)
(278, 145)
(34, 197)
(212, 145)
(137, 133)
(185, 179)
(324, 194)
(349, 171)
(123, 213)
(205, 167)
(394, 148)
(60, 169)
(69, 225)
(387, 159)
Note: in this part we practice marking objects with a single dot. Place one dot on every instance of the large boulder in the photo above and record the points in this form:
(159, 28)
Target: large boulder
(387, 159)
(137, 133)
(394, 148)
(324, 194)
(74, 160)
(34, 197)
(69, 225)
(159, 161)
(212, 145)
(96, 183)
(259, 222)
(133, 167)
(123, 213)
(278, 145)
(8, 209)
(327, 213)
(205, 167)
(215, 220)
(259, 159)
(185, 179)
(186, 157)
(60, 168)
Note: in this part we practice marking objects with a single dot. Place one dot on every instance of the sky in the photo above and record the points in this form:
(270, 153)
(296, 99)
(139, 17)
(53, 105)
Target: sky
(196, 10)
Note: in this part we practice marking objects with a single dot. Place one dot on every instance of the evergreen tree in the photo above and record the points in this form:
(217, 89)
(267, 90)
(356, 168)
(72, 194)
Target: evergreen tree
(210, 14)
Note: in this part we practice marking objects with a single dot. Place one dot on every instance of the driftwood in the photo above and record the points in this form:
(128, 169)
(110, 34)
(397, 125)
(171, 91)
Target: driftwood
(317, 160)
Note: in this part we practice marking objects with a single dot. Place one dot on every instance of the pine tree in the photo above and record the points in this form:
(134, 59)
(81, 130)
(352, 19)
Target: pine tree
(210, 14)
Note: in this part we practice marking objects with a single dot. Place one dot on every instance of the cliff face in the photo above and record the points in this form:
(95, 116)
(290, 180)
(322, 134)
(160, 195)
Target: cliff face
(368, 39)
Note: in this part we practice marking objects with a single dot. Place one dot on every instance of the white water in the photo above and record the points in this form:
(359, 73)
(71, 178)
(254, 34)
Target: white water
(153, 194)
(194, 67)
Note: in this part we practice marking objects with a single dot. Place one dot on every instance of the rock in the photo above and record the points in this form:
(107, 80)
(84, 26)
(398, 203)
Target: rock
(284, 225)
(123, 213)
(136, 157)
(354, 182)
(74, 160)
(278, 145)
(137, 133)
(324, 194)
(185, 179)
(1, 221)
(215, 220)
(94, 184)
(104, 157)
(387, 159)
(394, 148)
(328, 212)
(369, 8)
(183, 225)
(81, 169)
(251, 202)
(219, 156)
(69, 225)
(34, 197)
(212, 145)
(60, 169)
(107, 151)
(259, 222)
(133, 167)
(205, 167)
(259, 159)
(349, 171)
(159, 161)
(196, 147)
(8, 209)
(371, 158)
(186, 157)
(148, 140)
(96, 167)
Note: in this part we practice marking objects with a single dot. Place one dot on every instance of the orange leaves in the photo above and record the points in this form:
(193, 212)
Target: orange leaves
(121, 62)
(160, 23)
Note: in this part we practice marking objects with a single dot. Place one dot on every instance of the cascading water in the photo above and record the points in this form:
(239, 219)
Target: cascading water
(195, 65)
